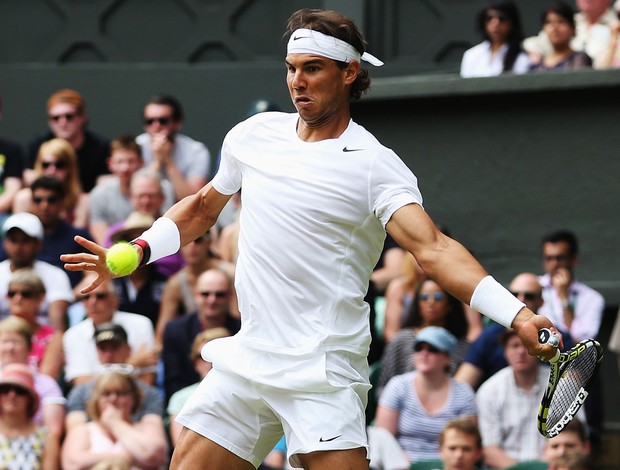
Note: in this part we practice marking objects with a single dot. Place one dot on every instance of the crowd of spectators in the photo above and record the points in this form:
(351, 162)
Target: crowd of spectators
(93, 379)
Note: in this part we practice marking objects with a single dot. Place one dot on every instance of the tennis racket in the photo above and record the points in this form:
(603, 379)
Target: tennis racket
(571, 373)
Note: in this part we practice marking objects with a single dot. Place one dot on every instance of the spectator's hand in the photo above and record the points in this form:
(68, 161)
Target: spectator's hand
(144, 357)
(93, 262)
(561, 279)
(527, 324)
(110, 416)
(162, 146)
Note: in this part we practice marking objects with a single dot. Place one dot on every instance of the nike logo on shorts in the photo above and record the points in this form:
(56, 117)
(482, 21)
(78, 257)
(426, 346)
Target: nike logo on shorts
(347, 149)
(330, 439)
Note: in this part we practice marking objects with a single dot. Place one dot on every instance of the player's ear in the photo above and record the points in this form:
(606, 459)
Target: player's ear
(351, 72)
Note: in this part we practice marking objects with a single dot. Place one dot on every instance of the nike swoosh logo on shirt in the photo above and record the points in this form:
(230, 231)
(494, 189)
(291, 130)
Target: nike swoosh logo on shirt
(331, 439)
(347, 149)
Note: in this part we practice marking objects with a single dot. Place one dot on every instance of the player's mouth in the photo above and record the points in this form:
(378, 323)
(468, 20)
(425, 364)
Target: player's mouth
(302, 101)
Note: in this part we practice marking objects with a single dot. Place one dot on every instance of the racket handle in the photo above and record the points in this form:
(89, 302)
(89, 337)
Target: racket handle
(546, 336)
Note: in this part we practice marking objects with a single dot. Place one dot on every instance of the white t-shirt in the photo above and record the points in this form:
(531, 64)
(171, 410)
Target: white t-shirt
(479, 62)
(312, 229)
(81, 351)
(55, 280)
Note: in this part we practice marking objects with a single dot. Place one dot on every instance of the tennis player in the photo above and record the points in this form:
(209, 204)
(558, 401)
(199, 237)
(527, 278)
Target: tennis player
(319, 192)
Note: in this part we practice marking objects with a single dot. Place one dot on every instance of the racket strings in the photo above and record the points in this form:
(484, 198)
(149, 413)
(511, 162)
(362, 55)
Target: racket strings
(574, 376)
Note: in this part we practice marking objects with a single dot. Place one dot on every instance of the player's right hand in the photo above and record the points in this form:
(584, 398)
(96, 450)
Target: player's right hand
(91, 262)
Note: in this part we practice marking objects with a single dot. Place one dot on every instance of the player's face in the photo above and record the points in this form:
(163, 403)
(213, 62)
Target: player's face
(565, 443)
(459, 451)
(65, 121)
(319, 87)
(557, 256)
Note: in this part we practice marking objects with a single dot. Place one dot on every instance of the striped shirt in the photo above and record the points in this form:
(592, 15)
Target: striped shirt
(418, 430)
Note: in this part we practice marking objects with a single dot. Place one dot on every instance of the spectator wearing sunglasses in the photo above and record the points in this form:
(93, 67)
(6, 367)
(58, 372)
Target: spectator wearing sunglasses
(500, 51)
(48, 198)
(416, 406)
(431, 306)
(485, 357)
(57, 159)
(101, 305)
(212, 296)
(67, 119)
(23, 236)
(182, 160)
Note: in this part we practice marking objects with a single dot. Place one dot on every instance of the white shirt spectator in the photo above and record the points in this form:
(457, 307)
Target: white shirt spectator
(479, 62)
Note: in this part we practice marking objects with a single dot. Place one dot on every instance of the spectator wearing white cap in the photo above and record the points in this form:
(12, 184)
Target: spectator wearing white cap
(22, 242)
(415, 406)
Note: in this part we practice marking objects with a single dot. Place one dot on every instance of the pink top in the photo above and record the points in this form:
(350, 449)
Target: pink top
(40, 340)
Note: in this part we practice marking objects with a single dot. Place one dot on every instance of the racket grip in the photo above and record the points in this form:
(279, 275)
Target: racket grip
(546, 336)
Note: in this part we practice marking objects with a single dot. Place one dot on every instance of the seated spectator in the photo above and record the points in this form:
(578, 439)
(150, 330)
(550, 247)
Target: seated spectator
(575, 461)
(610, 56)
(573, 440)
(559, 24)
(81, 361)
(57, 159)
(202, 367)
(182, 160)
(15, 344)
(147, 197)
(110, 199)
(67, 119)
(486, 356)
(500, 52)
(212, 297)
(58, 235)
(22, 242)
(508, 404)
(432, 306)
(415, 406)
(178, 296)
(141, 291)
(112, 433)
(592, 31)
(23, 443)
(114, 354)
(26, 294)
(11, 169)
(460, 445)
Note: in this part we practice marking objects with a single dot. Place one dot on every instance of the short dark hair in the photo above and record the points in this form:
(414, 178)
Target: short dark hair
(49, 183)
(562, 9)
(562, 235)
(168, 100)
(339, 26)
(125, 142)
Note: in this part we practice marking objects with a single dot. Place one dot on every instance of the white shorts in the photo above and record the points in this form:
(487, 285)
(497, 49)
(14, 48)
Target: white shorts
(248, 419)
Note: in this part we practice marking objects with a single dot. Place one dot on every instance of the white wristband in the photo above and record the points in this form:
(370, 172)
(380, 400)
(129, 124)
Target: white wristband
(163, 238)
(493, 300)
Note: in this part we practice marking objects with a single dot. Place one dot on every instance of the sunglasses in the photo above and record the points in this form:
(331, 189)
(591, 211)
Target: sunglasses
(97, 296)
(13, 388)
(437, 297)
(163, 121)
(526, 295)
(59, 165)
(26, 294)
(49, 200)
(57, 117)
(558, 258)
(220, 294)
(426, 347)
(499, 17)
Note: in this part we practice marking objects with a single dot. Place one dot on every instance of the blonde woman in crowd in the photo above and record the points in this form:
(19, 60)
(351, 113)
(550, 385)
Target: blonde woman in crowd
(111, 434)
(56, 158)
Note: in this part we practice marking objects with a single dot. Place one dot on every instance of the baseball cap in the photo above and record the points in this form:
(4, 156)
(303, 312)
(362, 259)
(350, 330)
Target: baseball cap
(111, 332)
(26, 222)
(20, 376)
(439, 337)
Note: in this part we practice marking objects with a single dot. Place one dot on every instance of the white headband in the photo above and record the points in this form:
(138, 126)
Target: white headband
(309, 41)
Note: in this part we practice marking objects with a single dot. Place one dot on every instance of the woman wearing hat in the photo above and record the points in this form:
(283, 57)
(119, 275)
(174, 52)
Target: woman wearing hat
(23, 444)
(415, 406)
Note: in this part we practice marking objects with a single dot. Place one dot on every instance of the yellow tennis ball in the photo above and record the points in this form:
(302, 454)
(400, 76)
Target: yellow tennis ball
(122, 259)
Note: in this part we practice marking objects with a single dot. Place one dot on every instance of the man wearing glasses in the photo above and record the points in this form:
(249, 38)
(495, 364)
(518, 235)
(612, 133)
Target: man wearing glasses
(67, 119)
(81, 360)
(182, 160)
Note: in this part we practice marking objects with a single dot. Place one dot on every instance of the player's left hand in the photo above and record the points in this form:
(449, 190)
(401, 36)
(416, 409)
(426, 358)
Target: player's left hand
(527, 324)
(92, 262)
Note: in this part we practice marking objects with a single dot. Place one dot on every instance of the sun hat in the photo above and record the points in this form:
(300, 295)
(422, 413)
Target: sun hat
(135, 222)
(21, 376)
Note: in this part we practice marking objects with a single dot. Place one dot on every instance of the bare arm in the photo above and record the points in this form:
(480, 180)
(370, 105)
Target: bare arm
(193, 216)
(57, 313)
(468, 373)
(392, 268)
(53, 358)
(11, 186)
(494, 456)
(387, 419)
(170, 301)
(448, 263)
